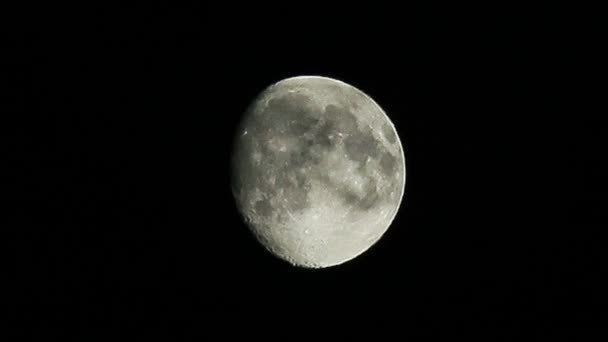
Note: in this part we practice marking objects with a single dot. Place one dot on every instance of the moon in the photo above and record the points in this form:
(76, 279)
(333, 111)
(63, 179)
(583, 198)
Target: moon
(318, 171)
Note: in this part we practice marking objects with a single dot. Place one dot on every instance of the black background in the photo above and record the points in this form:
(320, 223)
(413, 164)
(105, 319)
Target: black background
(120, 119)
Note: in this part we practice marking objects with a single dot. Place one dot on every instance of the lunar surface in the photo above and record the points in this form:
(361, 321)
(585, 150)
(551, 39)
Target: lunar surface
(318, 171)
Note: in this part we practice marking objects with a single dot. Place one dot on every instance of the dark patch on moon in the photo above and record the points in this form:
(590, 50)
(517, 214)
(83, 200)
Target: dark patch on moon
(359, 145)
(388, 164)
(319, 135)
(302, 181)
(389, 133)
(263, 208)
(300, 157)
(371, 196)
(348, 196)
(282, 181)
(367, 201)
(287, 109)
(325, 135)
(341, 119)
(306, 154)
(289, 115)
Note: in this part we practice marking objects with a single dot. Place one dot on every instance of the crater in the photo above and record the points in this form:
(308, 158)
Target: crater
(263, 208)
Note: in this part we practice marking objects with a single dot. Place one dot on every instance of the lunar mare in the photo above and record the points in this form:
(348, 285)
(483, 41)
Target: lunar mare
(318, 171)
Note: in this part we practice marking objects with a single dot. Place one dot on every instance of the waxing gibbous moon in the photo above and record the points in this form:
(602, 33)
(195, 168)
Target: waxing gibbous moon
(318, 171)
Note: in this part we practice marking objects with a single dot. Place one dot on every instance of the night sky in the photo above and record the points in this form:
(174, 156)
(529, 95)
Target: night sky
(120, 220)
